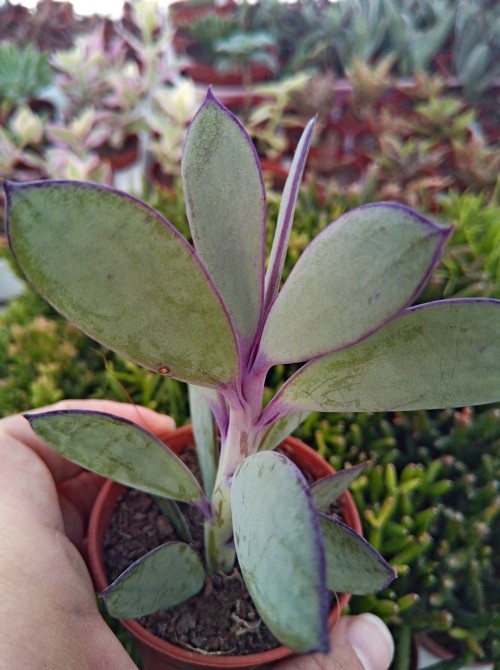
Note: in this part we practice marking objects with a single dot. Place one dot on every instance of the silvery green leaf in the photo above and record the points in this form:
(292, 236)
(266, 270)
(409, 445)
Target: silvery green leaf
(285, 215)
(124, 275)
(226, 207)
(351, 280)
(163, 578)
(204, 437)
(118, 449)
(281, 429)
(443, 354)
(279, 548)
(173, 513)
(352, 565)
(326, 491)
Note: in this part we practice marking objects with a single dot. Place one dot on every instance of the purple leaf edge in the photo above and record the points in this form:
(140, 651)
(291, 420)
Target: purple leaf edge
(391, 573)
(137, 564)
(11, 187)
(262, 360)
(31, 417)
(324, 604)
(295, 177)
(341, 474)
(211, 98)
(278, 408)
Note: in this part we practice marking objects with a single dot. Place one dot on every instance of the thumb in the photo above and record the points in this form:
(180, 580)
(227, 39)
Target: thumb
(360, 642)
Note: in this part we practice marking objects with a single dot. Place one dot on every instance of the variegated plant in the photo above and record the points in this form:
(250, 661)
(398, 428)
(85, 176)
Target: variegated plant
(214, 317)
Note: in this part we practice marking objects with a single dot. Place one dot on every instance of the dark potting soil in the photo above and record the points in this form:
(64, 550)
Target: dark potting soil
(222, 619)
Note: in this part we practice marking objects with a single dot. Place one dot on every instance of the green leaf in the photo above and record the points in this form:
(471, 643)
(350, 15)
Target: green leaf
(118, 449)
(355, 276)
(443, 354)
(124, 275)
(171, 510)
(275, 435)
(163, 578)
(326, 491)
(204, 436)
(279, 548)
(226, 207)
(352, 565)
(285, 215)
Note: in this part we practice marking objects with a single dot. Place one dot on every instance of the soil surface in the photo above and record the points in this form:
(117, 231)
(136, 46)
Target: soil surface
(222, 619)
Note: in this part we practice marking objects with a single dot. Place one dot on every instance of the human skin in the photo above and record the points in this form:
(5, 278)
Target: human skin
(48, 612)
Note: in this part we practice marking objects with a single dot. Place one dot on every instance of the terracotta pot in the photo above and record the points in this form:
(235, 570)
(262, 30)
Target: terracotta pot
(163, 181)
(277, 171)
(431, 651)
(183, 13)
(121, 157)
(156, 654)
(207, 74)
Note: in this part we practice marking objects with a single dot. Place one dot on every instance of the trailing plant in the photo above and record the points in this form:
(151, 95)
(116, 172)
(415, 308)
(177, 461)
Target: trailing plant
(213, 317)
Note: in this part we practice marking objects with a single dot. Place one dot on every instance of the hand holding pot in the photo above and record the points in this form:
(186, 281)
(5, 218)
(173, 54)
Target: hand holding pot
(49, 615)
(360, 642)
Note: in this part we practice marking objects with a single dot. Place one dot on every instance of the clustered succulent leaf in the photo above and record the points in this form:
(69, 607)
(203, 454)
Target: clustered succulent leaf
(215, 317)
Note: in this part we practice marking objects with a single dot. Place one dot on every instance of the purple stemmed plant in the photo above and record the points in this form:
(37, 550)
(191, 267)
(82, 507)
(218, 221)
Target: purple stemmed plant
(216, 318)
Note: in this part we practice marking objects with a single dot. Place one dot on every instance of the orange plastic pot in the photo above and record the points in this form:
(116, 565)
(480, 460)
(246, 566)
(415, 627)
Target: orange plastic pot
(157, 654)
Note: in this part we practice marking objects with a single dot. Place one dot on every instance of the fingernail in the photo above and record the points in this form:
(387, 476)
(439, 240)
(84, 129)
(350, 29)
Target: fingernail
(372, 641)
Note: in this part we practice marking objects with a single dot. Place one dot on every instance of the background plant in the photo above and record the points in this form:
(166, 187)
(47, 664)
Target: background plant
(24, 74)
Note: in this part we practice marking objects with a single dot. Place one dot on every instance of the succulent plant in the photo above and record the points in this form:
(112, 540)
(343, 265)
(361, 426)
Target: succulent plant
(213, 316)
(24, 74)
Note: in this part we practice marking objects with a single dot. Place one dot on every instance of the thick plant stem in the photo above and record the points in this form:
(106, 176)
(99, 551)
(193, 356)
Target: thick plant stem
(239, 443)
(219, 547)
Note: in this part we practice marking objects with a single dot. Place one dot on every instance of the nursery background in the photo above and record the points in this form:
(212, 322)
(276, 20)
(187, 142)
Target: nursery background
(407, 98)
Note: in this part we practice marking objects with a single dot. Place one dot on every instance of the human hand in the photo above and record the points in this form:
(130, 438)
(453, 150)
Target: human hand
(49, 616)
(48, 613)
(361, 642)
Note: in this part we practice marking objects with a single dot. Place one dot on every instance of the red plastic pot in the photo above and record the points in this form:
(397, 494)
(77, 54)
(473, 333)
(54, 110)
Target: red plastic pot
(156, 654)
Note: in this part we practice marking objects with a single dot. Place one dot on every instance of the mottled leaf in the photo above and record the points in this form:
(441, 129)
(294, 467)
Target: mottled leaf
(124, 275)
(226, 207)
(326, 491)
(281, 429)
(163, 578)
(352, 565)
(443, 354)
(352, 279)
(279, 548)
(118, 449)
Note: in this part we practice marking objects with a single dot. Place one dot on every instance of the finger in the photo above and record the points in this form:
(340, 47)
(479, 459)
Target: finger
(18, 428)
(360, 642)
(76, 499)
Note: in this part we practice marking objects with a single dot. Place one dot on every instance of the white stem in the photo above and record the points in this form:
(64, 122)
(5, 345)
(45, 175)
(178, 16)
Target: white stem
(239, 442)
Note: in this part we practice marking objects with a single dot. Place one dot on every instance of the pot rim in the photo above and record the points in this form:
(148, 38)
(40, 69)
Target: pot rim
(101, 514)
